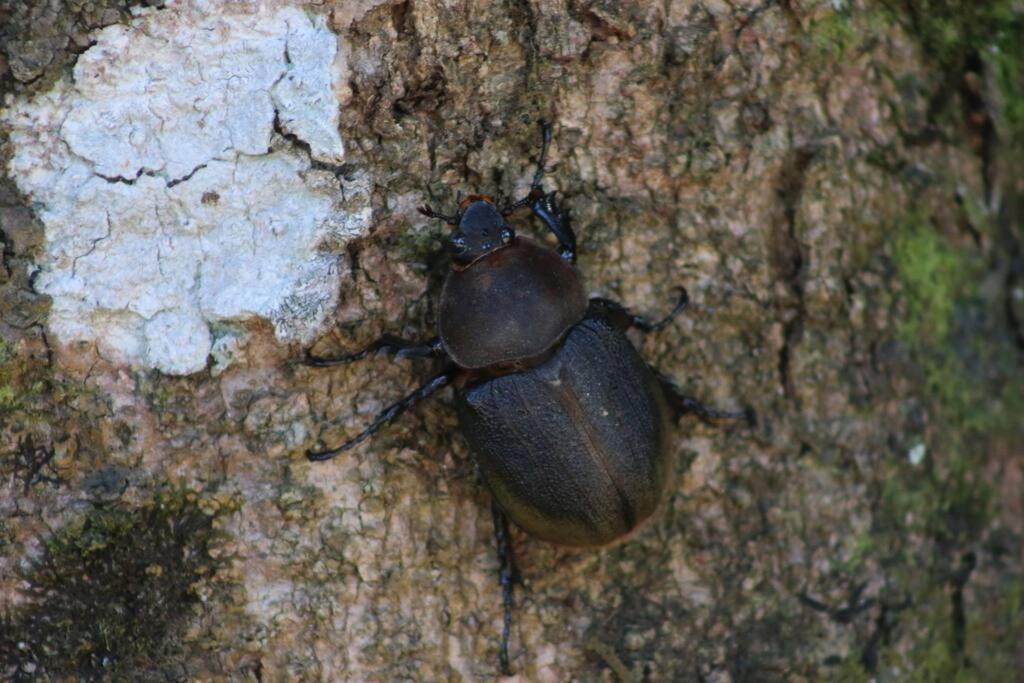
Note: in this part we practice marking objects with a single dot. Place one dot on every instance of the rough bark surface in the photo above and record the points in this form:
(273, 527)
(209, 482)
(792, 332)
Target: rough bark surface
(837, 184)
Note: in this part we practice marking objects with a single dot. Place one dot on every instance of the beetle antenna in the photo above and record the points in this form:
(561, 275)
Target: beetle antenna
(430, 213)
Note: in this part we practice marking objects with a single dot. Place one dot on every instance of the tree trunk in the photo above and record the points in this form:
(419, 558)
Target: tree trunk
(194, 195)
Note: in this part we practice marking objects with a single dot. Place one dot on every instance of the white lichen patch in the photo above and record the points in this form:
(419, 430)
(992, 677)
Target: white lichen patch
(173, 195)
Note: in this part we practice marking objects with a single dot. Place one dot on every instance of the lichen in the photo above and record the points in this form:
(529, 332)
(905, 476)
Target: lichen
(182, 194)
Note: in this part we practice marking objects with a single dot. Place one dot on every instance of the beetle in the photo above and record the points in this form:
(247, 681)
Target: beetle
(569, 427)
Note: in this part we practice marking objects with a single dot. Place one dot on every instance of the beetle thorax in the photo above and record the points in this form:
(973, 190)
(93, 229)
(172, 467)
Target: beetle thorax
(512, 305)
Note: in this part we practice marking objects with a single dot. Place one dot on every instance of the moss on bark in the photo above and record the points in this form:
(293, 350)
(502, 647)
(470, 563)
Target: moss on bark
(837, 188)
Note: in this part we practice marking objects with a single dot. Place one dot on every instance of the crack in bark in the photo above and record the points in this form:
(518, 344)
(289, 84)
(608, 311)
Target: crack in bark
(340, 171)
(33, 464)
(92, 247)
(6, 254)
(790, 261)
(881, 636)
(958, 581)
(1014, 281)
(171, 182)
(844, 614)
(188, 176)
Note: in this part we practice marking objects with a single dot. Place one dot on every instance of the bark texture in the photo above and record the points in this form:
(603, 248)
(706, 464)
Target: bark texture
(837, 184)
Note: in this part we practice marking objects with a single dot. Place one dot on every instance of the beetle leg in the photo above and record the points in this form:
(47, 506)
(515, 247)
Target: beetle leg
(557, 221)
(389, 344)
(387, 415)
(543, 203)
(506, 576)
(623, 318)
(682, 405)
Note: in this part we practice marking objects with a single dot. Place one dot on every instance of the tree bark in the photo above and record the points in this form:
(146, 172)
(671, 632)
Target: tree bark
(836, 184)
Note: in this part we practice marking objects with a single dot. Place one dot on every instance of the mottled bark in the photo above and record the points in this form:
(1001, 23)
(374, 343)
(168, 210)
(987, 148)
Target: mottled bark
(837, 184)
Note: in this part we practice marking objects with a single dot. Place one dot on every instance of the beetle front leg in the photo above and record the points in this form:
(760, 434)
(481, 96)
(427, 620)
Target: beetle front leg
(543, 204)
(557, 221)
(387, 415)
(621, 317)
(389, 344)
(506, 576)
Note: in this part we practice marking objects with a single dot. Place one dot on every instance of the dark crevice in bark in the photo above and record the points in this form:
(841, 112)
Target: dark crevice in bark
(746, 17)
(1014, 281)
(789, 260)
(601, 29)
(958, 581)
(291, 137)
(881, 635)
(187, 176)
(123, 180)
(846, 613)
(979, 121)
(425, 96)
(46, 344)
(33, 464)
(6, 254)
(340, 171)
(400, 18)
(530, 29)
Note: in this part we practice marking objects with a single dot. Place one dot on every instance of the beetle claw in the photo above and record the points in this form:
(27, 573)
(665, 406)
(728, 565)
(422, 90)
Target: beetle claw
(320, 456)
(313, 361)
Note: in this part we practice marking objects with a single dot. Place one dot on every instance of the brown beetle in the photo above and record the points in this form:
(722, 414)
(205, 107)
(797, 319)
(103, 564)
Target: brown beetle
(567, 423)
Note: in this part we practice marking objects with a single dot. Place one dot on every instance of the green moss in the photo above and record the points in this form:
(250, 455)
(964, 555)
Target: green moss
(1006, 58)
(834, 34)
(851, 670)
(8, 391)
(966, 373)
(419, 246)
(32, 401)
(110, 593)
(965, 362)
(989, 655)
(952, 32)
(934, 276)
(28, 387)
(942, 500)
(993, 633)
(8, 397)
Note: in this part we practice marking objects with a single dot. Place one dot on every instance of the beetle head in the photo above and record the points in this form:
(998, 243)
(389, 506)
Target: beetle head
(481, 229)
